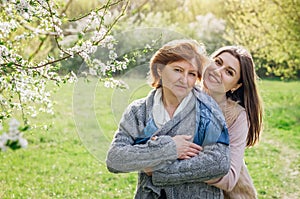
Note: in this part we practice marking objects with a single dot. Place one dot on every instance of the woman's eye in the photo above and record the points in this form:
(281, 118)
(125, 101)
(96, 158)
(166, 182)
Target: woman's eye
(218, 62)
(193, 74)
(177, 70)
(229, 72)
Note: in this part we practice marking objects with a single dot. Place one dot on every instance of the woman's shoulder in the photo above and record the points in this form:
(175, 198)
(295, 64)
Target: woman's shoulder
(232, 111)
(141, 103)
(208, 103)
(209, 107)
(205, 98)
(235, 105)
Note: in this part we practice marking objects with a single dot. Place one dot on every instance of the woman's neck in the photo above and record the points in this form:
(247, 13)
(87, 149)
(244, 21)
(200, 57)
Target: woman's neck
(170, 101)
(220, 98)
(170, 106)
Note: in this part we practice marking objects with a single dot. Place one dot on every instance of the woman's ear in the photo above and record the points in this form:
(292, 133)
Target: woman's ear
(236, 87)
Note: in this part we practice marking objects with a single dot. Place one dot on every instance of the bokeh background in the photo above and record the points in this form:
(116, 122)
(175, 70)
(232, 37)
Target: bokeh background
(66, 150)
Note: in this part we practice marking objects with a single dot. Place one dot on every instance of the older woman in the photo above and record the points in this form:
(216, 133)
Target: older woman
(157, 131)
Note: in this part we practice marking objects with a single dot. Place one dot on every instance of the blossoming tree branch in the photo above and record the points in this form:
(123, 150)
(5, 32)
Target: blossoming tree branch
(35, 36)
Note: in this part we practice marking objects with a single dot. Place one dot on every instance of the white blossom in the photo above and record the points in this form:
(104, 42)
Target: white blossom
(13, 136)
(23, 142)
(25, 88)
(4, 137)
(92, 71)
(14, 124)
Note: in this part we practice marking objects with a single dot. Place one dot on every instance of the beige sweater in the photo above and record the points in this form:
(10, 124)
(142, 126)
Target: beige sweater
(237, 183)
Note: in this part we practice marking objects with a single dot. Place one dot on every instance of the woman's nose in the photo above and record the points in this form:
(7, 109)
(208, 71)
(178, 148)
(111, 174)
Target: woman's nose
(218, 71)
(183, 78)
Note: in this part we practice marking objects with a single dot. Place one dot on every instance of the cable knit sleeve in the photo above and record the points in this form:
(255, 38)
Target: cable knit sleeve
(213, 161)
(238, 135)
(124, 156)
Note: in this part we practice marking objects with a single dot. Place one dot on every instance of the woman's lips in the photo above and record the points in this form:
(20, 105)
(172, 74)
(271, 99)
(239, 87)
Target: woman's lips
(214, 78)
(181, 87)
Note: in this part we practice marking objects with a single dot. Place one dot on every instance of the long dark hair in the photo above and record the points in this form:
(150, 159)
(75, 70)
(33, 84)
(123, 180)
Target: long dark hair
(247, 95)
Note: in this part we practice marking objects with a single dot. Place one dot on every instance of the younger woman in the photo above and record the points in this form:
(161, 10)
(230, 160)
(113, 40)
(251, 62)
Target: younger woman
(231, 81)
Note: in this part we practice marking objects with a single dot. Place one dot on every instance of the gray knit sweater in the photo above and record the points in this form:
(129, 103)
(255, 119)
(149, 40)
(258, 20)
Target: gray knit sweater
(186, 177)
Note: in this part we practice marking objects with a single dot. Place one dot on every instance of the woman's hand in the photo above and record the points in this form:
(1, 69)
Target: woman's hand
(185, 148)
(148, 171)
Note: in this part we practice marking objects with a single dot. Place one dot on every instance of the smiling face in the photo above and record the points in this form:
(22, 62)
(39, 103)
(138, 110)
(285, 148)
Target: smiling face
(223, 75)
(178, 78)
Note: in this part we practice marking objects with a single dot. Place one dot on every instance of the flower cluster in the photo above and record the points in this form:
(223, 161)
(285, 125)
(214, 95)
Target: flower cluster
(27, 28)
(212, 26)
(13, 139)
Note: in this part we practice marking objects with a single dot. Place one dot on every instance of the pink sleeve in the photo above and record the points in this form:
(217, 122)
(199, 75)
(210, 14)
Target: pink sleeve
(238, 135)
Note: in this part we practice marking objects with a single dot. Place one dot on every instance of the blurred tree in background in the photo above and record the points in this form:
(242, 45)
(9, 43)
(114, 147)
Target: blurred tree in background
(268, 29)
(172, 19)
(36, 37)
(191, 18)
(271, 30)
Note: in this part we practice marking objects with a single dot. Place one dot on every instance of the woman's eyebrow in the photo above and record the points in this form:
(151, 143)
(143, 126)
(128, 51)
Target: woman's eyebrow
(221, 60)
(231, 68)
(182, 68)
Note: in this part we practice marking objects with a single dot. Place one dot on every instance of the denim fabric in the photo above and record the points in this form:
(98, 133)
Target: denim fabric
(209, 129)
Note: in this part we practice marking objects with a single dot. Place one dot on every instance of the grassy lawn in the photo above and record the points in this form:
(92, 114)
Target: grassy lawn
(67, 160)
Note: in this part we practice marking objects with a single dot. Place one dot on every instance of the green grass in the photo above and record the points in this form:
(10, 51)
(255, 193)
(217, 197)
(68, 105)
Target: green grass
(274, 163)
(67, 161)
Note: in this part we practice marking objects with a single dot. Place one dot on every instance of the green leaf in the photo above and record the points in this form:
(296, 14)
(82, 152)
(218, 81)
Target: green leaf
(25, 128)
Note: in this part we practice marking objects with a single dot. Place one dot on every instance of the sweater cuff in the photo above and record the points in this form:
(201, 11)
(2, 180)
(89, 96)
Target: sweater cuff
(168, 146)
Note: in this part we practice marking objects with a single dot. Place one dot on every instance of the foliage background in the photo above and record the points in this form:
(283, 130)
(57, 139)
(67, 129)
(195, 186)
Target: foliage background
(60, 164)
(268, 29)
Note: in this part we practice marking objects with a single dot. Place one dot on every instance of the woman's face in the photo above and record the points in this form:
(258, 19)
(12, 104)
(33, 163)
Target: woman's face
(223, 74)
(178, 79)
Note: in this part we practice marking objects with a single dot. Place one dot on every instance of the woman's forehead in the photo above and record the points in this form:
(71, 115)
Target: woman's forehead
(228, 58)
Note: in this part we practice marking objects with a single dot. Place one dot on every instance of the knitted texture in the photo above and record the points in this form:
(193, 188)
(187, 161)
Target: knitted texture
(125, 156)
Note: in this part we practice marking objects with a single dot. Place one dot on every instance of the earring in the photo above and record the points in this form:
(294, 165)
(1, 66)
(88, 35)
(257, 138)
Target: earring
(232, 91)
